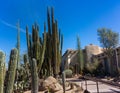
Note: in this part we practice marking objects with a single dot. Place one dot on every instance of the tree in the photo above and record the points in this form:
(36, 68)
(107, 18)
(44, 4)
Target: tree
(80, 55)
(109, 40)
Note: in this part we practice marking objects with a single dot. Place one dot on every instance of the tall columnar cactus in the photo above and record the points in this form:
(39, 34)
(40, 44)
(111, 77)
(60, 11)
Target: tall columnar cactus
(26, 65)
(18, 45)
(48, 53)
(11, 71)
(34, 76)
(2, 71)
(42, 49)
(18, 48)
(47, 49)
(54, 44)
(80, 56)
(36, 45)
(36, 50)
(57, 44)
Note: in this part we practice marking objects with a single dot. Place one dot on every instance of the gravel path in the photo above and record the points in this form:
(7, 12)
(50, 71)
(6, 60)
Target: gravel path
(91, 86)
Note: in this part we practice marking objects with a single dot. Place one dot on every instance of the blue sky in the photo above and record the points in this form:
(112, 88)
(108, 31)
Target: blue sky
(75, 17)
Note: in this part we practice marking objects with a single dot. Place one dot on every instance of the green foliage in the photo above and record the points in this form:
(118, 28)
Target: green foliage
(68, 73)
(109, 40)
(92, 67)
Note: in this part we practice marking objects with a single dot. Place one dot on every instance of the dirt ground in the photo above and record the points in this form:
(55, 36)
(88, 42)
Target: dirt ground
(68, 90)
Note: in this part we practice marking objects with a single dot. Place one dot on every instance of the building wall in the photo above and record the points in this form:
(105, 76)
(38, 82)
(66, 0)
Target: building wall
(92, 50)
(105, 61)
(70, 57)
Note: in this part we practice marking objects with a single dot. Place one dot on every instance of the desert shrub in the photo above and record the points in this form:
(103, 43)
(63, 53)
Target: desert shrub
(91, 67)
(94, 68)
(68, 73)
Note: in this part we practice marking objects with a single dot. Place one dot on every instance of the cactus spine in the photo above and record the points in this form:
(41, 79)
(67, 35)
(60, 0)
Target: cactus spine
(11, 71)
(2, 71)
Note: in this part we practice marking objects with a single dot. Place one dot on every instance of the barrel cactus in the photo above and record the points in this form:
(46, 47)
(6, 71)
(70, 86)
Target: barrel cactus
(68, 73)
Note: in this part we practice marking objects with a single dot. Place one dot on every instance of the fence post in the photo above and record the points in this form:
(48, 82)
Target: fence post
(86, 83)
(81, 84)
(97, 87)
(63, 80)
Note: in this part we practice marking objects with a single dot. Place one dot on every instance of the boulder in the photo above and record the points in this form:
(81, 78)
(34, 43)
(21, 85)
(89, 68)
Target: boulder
(48, 81)
(51, 84)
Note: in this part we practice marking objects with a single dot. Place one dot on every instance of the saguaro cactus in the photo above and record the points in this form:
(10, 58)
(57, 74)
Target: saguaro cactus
(2, 71)
(11, 71)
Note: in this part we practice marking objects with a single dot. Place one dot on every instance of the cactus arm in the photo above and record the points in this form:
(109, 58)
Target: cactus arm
(43, 50)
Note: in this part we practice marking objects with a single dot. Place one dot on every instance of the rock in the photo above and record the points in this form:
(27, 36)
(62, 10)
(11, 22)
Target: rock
(51, 84)
(41, 87)
(50, 80)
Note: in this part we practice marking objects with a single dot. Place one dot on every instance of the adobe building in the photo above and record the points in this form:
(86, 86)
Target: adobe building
(70, 56)
(91, 51)
(106, 62)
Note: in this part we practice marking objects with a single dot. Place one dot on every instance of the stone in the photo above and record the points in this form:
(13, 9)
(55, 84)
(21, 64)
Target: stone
(51, 84)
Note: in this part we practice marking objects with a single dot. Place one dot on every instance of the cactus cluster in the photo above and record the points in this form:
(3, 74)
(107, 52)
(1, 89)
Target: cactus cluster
(44, 50)
(36, 49)
(47, 50)
(36, 46)
(10, 76)
(54, 44)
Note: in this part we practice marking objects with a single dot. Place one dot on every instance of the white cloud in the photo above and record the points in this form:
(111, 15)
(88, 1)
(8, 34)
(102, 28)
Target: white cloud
(11, 26)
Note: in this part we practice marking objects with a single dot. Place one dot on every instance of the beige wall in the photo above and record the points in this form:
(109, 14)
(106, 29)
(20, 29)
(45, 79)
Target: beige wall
(70, 57)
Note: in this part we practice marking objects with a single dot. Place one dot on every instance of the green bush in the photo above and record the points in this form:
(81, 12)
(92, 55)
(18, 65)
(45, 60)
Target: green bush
(95, 68)
(68, 73)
